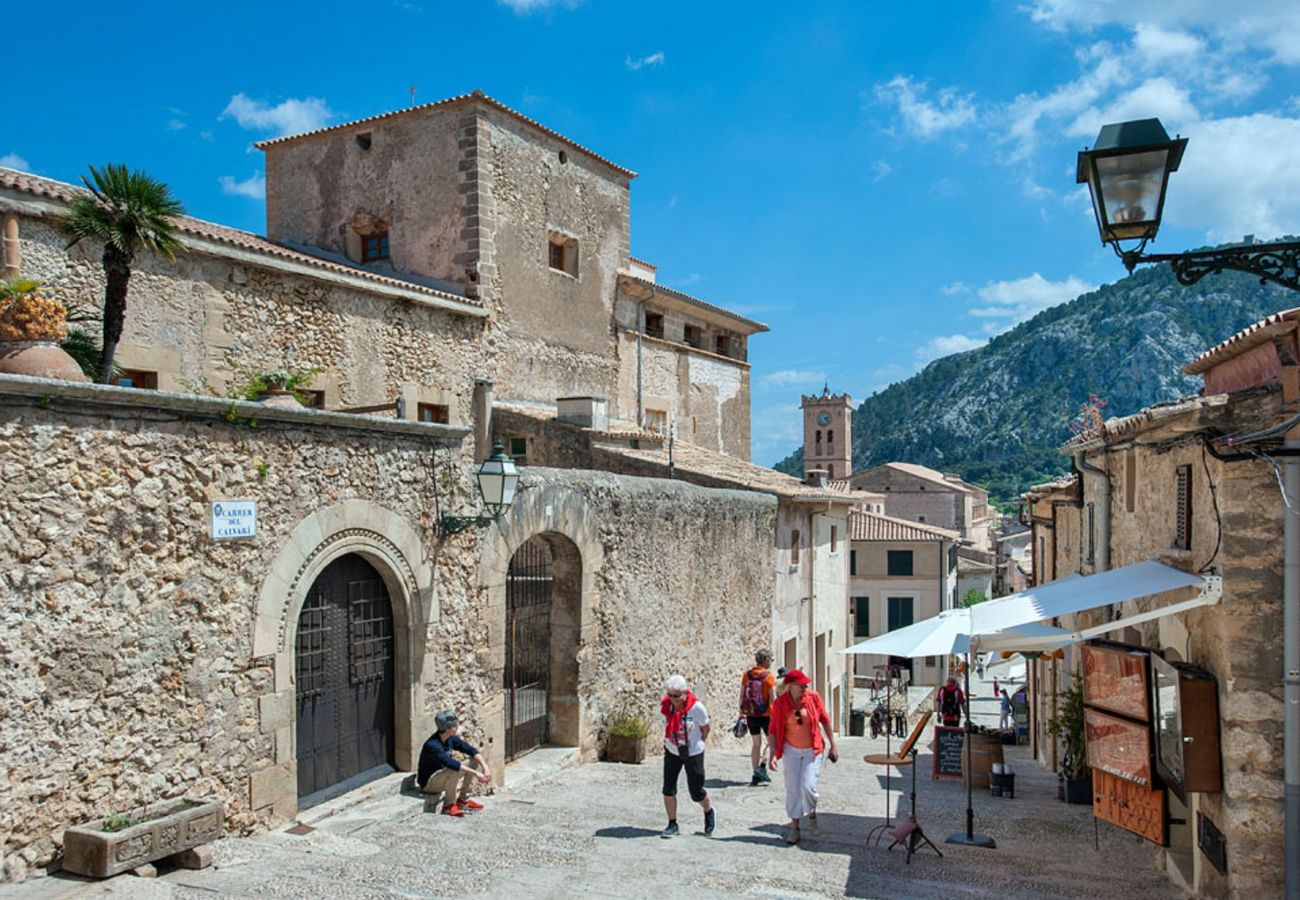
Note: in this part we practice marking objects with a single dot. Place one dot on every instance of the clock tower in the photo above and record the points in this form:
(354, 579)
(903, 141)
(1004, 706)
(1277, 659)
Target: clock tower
(827, 441)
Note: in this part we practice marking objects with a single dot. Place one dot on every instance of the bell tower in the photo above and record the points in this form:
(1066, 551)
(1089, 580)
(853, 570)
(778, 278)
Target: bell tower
(827, 440)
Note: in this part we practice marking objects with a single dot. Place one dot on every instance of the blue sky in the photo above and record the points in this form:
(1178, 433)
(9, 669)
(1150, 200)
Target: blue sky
(883, 183)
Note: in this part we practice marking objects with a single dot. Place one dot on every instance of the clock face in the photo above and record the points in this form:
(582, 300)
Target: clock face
(824, 418)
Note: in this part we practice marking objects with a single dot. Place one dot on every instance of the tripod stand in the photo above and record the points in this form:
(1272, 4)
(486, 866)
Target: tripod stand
(909, 830)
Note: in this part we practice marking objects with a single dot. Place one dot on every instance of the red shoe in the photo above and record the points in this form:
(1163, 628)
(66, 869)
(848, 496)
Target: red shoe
(452, 810)
(467, 803)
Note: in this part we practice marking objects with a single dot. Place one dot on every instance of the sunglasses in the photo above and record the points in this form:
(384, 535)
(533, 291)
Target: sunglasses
(798, 717)
(673, 696)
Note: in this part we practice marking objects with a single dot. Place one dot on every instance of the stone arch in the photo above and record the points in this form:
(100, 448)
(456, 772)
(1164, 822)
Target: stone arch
(560, 516)
(390, 544)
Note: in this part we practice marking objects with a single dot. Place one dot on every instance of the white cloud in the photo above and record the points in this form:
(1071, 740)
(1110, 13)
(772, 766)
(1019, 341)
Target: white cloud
(1011, 302)
(292, 116)
(1160, 44)
(946, 345)
(790, 377)
(957, 287)
(14, 161)
(924, 117)
(693, 278)
(175, 125)
(524, 7)
(253, 187)
(654, 60)
(880, 170)
(1158, 97)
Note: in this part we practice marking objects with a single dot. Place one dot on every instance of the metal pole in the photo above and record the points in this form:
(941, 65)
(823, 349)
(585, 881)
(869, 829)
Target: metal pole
(970, 838)
(1291, 665)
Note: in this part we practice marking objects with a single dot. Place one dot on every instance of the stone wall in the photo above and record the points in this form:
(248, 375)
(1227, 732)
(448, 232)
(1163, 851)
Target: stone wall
(145, 660)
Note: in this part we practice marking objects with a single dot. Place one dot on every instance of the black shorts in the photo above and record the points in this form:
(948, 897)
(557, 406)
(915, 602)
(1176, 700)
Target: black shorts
(694, 766)
(758, 724)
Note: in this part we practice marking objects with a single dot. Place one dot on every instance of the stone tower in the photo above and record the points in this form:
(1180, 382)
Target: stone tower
(827, 441)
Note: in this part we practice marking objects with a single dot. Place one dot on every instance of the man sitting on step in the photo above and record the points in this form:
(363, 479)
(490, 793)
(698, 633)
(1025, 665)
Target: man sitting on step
(440, 771)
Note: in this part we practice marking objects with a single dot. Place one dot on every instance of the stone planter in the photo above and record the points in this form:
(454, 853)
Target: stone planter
(1076, 790)
(278, 398)
(624, 749)
(41, 359)
(162, 829)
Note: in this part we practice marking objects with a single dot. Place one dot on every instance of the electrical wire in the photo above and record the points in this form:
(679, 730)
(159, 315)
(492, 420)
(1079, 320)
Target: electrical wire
(1218, 517)
(1291, 506)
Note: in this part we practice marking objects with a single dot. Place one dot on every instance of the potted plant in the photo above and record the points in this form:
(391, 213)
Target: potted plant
(120, 842)
(625, 738)
(1075, 776)
(31, 326)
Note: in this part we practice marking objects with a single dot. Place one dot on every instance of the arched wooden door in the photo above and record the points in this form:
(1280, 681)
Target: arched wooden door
(344, 669)
(527, 675)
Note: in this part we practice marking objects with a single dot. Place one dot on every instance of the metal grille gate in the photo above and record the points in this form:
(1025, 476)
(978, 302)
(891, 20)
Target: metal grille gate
(527, 675)
(344, 669)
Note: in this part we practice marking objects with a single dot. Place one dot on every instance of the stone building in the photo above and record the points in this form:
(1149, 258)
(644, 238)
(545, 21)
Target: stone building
(825, 416)
(924, 495)
(1164, 484)
(900, 572)
(442, 263)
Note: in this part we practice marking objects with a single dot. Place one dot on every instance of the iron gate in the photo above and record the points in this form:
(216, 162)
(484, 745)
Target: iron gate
(527, 675)
(344, 668)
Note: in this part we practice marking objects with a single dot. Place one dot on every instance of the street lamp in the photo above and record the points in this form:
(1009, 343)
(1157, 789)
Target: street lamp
(1127, 173)
(498, 479)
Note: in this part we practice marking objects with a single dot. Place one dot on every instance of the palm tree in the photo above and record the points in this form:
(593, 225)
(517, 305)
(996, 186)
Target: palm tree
(129, 212)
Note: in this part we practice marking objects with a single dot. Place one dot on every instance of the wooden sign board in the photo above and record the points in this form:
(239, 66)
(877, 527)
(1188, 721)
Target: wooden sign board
(1115, 679)
(1118, 747)
(948, 745)
(915, 735)
(1131, 806)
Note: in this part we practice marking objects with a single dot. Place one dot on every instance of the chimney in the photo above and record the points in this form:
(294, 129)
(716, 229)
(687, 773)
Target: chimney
(588, 412)
(815, 478)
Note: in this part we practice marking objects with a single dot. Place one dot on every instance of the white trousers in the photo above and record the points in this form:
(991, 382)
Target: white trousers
(801, 770)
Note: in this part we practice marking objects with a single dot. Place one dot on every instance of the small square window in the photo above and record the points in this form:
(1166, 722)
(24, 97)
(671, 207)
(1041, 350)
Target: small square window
(374, 246)
(654, 324)
(433, 412)
(656, 420)
(693, 336)
(311, 399)
(562, 254)
(899, 562)
(138, 378)
(722, 345)
(519, 450)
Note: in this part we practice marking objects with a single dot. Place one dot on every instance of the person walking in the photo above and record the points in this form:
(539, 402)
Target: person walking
(757, 685)
(1005, 721)
(686, 728)
(796, 738)
(948, 702)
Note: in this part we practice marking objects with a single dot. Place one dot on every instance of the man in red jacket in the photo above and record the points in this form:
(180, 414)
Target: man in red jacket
(949, 702)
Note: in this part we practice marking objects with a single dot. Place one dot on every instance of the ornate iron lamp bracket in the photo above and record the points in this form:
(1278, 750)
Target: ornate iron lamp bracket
(1278, 263)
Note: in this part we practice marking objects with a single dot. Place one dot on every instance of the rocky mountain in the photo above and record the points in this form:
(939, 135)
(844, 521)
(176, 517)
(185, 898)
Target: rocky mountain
(997, 415)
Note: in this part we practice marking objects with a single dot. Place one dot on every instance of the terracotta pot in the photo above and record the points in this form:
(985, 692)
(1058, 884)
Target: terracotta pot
(42, 359)
(278, 398)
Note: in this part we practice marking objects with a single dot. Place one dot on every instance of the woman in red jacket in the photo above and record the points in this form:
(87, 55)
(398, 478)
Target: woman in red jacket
(796, 738)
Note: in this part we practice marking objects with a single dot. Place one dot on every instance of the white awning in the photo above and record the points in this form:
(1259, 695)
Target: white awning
(949, 633)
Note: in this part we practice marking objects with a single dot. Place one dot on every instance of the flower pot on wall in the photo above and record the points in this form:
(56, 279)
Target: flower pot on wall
(625, 749)
(143, 836)
(39, 359)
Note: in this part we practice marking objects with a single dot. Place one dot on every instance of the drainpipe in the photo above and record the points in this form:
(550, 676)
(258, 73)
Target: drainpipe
(640, 397)
(1102, 562)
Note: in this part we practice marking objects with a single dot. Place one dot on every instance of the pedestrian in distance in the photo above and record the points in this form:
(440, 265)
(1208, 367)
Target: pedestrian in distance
(439, 770)
(686, 728)
(1005, 721)
(798, 719)
(948, 702)
(757, 687)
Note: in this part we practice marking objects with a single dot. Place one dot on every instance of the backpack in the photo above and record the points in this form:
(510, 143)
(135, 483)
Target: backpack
(948, 706)
(751, 699)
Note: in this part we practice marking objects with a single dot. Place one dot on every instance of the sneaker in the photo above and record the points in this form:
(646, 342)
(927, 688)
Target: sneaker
(710, 821)
(671, 831)
(762, 775)
(793, 836)
(755, 781)
(468, 803)
(452, 810)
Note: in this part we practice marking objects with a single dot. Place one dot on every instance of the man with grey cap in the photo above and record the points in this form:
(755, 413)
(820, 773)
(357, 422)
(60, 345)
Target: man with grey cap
(440, 771)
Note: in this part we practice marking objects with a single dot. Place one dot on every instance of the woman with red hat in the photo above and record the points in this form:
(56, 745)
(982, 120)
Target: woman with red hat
(796, 739)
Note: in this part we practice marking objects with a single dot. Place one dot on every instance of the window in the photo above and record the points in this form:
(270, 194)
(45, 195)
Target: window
(1092, 532)
(862, 617)
(794, 547)
(654, 324)
(920, 518)
(562, 254)
(656, 420)
(1183, 508)
(952, 557)
(819, 440)
(900, 562)
(519, 450)
(138, 378)
(835, 538)
(830, 470)
(432, 412)
(790, 653)
(853, 562)
(722, 344)
(1130, 480)
(374, 246)
(311, 399)
(900, 612)
(693, 336)
(363, 140)
(830, 440)
(931, 662)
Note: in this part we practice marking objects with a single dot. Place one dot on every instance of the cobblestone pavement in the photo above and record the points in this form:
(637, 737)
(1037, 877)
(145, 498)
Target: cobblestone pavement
(593, 831)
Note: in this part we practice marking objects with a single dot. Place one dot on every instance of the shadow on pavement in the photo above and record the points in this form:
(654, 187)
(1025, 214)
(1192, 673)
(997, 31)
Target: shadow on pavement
(720, 783)
(623, 832)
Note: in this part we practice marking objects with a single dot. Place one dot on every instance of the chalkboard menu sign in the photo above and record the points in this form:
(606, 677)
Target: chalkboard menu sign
(948, 743)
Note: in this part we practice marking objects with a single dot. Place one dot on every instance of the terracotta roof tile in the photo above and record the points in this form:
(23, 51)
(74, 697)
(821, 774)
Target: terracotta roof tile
(1260, 333)
(243, 240)
(451, 101)
(866, 526)
(657, 288)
